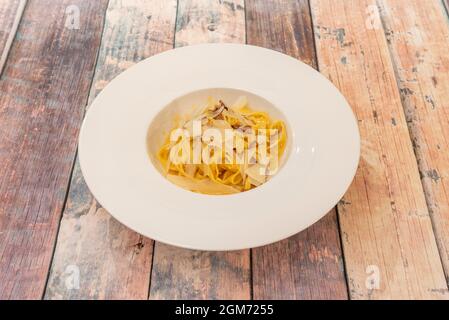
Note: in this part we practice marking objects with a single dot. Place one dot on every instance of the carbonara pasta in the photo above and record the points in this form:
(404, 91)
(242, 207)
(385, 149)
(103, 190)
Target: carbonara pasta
(223, 149)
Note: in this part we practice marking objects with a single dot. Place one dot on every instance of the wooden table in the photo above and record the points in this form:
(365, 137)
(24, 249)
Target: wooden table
(387, 238)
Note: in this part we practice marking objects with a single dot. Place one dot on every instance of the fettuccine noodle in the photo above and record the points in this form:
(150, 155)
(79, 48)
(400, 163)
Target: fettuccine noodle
(225, 175)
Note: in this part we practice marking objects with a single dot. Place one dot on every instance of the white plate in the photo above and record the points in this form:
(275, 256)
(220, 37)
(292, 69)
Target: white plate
(323, 152)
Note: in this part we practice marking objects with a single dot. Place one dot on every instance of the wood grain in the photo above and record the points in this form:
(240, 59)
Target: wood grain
(44, 88)
(10, 15)
(202, 21)
(308, 265)
(188, 274)
(283, 26)
(113, 261)
(384, 219)
(418, 37)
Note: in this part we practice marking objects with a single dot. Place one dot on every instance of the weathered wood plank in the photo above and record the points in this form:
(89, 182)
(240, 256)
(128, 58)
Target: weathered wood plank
(10, 16)
(308, 265)
(190, 274)
(418, 37)
(187, 274)
(283, 26)
(387, 231)
(44, 88)
(113, 262)
(201, 21)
